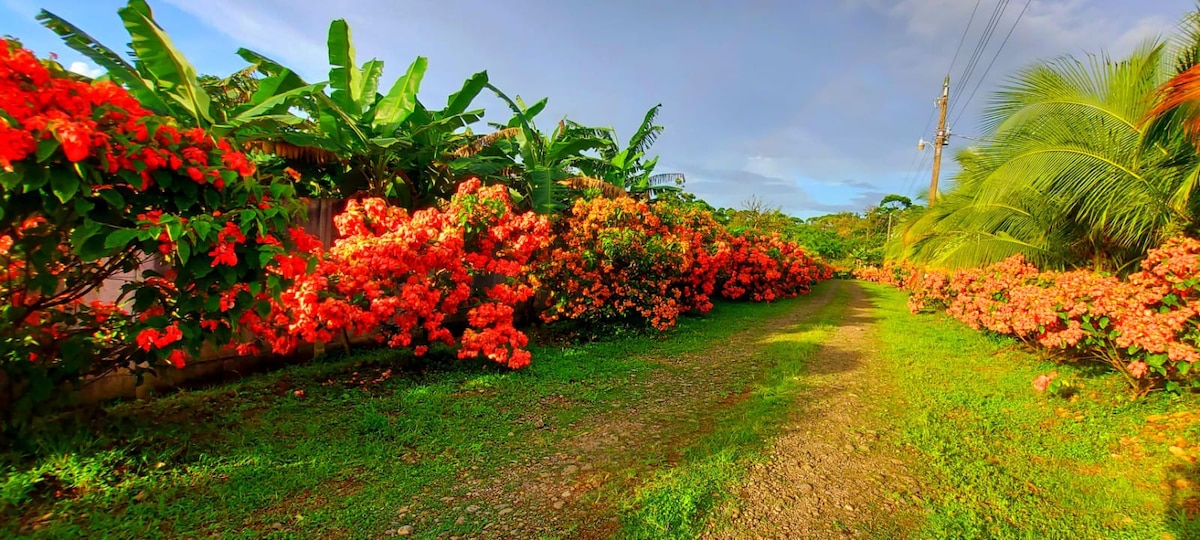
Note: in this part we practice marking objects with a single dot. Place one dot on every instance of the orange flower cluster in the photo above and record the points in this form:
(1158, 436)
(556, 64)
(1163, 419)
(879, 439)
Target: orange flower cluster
(92, 185)
(622, 259)
(763, 268)
(1145, 326)
(403, 277)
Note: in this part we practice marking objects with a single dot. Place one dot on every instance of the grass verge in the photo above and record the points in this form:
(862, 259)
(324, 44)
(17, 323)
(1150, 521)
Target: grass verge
(997, 460)
(341, 448)
(677, 503)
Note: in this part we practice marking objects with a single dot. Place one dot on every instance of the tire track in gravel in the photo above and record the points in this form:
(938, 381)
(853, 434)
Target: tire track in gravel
(567, 494)
(831, 473)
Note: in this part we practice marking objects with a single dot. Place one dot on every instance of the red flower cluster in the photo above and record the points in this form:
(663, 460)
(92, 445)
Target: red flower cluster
(1145, 326)
(617, 259)
(100, 121)
(95, 185)
(404, 277)
(763, 268)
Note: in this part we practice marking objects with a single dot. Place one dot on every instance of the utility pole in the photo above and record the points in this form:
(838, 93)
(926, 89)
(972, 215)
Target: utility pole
(939, 141)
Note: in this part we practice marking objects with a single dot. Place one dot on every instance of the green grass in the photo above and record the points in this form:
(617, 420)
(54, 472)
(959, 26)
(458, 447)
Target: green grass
(678, 502)
(999, 460)
(348, 459)
(252, 460)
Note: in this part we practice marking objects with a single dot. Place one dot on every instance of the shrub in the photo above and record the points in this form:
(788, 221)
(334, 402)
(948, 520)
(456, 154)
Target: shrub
(402, 277)
(615, 259)
(93, 186)
(619, 259)
(763, 268)
(1144, 327)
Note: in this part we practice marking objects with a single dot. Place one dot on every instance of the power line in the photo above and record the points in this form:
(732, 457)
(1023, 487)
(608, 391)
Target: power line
(993, 62)
(985, 38)
(921, 169)
(911, 176)
(963, 38)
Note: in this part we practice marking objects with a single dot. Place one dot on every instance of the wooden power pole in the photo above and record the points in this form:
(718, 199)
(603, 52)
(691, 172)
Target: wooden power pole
(940, 140)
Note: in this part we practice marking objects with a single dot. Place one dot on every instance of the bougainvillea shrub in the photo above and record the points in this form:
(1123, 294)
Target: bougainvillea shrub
(763, 268)
(402, 277)
(621, 259)
(615, 259)
(1144, 326)
(94, 185)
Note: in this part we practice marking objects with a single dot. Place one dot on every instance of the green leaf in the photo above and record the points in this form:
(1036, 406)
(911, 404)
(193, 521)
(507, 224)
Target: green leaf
(167, 67)
(400, 102)
(114, 198)
(121, 238)
(46, 148)
(185, 251)
(83, 206)
(458, 102)
(64, 185)
(212, 198)
(270, 103)
(371, 71)
(345, 79)
(82, 233)
(202, 228)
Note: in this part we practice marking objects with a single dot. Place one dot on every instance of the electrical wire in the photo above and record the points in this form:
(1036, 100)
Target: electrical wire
(911, 175)
(992, 63)
(924, 167)
(985, 39)
(963, 38)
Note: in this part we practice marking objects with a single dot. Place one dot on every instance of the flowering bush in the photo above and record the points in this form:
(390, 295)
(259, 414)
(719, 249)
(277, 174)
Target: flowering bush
(617, 259)
(403, 276)
(94, 185)
(762, 268)
(1144, 326)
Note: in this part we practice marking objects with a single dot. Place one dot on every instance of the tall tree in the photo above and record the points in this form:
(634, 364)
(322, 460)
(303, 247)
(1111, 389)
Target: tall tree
(1069, 177)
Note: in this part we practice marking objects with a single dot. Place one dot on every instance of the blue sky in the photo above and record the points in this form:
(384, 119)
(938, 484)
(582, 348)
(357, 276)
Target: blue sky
(814, 106)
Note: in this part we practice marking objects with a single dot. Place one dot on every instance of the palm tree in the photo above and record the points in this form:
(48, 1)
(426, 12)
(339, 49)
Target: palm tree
(539, 166)
(1070, 176)
(627, 167)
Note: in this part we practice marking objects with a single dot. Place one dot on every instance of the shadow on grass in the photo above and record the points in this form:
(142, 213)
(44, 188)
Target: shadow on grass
(343, 442)
(1183, 501)
(678, 502)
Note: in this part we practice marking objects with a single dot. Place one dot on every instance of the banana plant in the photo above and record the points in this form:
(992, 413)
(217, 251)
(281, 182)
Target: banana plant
(352, 123)
(627, 167)
(163, 80)
(382, 144)
(538, 166)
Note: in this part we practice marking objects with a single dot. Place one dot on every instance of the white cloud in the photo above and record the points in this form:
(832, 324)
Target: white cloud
(85, 69)
(267, 29)
(25, 8)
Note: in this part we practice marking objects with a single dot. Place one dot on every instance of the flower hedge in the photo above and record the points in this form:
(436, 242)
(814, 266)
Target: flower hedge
(92, 185)
(617, 259)
(1144, 326)
(402, 277)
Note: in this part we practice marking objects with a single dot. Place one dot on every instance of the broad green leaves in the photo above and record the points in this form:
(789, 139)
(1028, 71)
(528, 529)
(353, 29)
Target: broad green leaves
(400, 102)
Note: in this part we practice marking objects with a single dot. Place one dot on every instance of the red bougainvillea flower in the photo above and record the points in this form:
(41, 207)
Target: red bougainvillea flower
(1145, 326)
(1042, 382)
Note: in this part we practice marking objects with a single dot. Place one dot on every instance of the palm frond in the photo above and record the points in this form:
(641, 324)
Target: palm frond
(286, 150)
(585, 183)
(484, 141)
(1068, 177)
